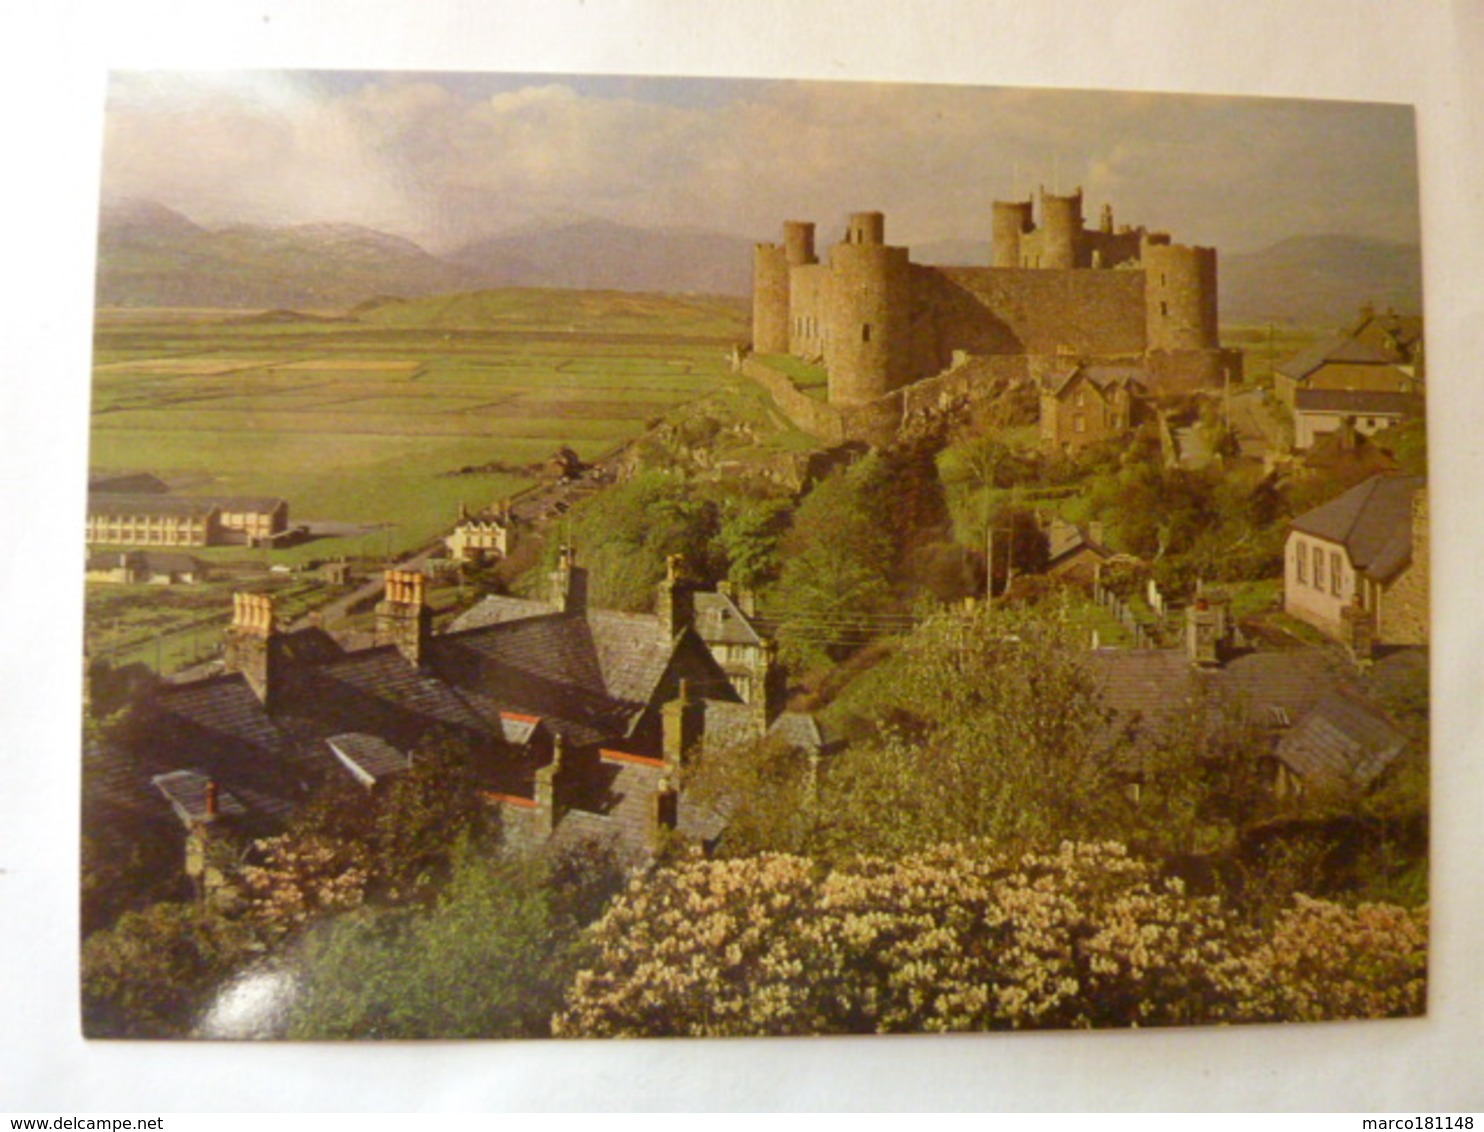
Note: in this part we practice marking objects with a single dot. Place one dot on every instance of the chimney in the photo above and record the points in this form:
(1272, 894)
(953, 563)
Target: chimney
(569, 583)
(403, 617)
(1358, 630)
(546, 787)
(664, 813)
(682, 722)
(1205, 631)
(252, 646)
(677, 600)
(213, 804)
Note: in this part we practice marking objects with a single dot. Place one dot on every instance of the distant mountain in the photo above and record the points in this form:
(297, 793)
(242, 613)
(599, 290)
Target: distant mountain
(601, 255)
(1319, 280)
(149, 255)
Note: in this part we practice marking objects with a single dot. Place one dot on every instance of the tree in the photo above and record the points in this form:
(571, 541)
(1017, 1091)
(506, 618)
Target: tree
(837, 560)
(422, 814)
(750, 535)
(989, 724)
(489, 959)
(625, 534)
(148, 975)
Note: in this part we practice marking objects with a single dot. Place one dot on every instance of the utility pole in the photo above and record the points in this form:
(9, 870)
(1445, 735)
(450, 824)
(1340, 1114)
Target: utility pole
(988, 557)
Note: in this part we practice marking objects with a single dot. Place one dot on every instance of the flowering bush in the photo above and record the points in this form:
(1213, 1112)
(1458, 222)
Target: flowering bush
(964, 937)
(1324, 961)
(300, 877)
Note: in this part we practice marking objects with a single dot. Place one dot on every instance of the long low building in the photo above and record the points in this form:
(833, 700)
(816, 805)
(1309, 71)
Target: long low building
(128, 519)
(1320, 411)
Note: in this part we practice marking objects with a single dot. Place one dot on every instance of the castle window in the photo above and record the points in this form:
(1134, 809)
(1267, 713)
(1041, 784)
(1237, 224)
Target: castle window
(1164, 308)
(865, 332)
(1079, 423)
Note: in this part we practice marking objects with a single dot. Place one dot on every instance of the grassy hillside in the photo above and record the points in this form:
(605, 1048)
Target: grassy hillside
(364, 421)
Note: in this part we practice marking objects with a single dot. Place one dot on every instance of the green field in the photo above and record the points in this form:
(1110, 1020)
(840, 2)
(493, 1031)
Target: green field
(360, 420)
(1268, 346)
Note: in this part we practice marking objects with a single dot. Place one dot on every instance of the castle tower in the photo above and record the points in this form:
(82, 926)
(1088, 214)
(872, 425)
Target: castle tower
(1011, 220)
(403, 617)
(252, 645)
(868, 313)
(1061, 227)
(798, 243)
(769, 300)
(772, 290)
(1180, 296)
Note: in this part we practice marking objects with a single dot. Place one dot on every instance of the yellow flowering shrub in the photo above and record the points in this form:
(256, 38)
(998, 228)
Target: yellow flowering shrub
(966, 937)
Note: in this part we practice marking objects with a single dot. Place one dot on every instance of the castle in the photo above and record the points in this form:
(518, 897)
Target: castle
(896, 337)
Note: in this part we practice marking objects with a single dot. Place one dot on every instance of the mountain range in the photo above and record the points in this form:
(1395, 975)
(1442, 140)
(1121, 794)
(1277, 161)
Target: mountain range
(151, 255)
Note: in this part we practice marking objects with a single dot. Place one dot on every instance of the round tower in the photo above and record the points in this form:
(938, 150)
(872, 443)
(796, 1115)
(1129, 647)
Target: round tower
(1012, 218)
(798, 243)
(867, 345)
(1180, 297)
(1061, 227)
(865, 228)
(769, 300)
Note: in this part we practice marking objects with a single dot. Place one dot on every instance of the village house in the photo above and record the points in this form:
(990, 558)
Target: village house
(1075, 552)
(1356, 567)
(1319, 713)
(1319, 412)
(1086, 404)
(1379, 354)
(144, 567)
(577, 719)
(479, 538)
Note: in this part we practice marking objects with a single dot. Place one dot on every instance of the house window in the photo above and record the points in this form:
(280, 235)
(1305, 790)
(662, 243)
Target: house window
(1300, 562)
(1336, 574)
(1318, 568)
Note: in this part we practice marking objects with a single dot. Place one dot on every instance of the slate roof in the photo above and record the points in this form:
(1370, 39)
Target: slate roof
(186, 792)
(1341, 741)
(497, 608)
(1102, 377)
(137, 504)
(1341, 349)
(804, 732)
(720, 621)
(1372, 521)
(218, 728)
(368, 757)
(1362, 402)
(1147, 689)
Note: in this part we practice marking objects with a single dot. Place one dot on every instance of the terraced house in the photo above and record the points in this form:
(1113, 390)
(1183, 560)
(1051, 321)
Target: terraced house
(576, 719)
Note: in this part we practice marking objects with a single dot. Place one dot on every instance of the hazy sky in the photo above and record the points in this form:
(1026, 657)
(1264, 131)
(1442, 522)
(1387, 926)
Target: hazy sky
(442, 158)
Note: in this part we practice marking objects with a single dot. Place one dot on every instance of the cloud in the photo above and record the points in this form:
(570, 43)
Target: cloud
(440, 160)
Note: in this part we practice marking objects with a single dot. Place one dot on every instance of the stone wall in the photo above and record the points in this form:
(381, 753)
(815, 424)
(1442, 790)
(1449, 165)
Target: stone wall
(812, 416)
(1405, 604)
(1027, 311)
